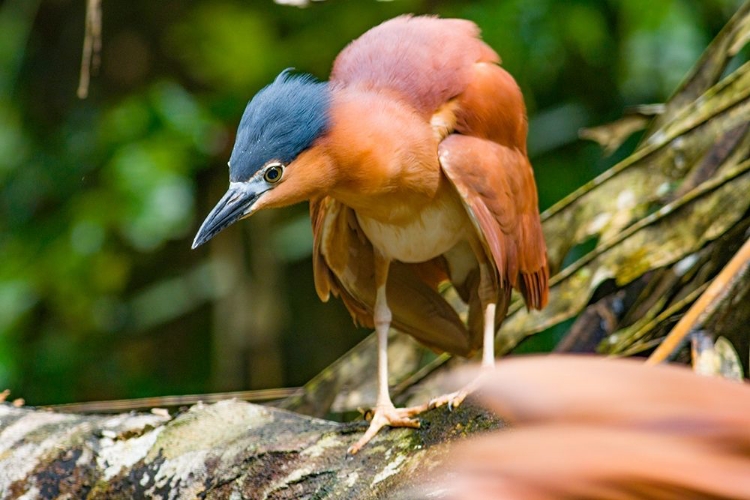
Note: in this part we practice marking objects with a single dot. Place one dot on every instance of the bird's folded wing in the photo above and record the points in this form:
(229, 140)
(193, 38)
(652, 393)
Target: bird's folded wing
(497, 186)
(343, 264)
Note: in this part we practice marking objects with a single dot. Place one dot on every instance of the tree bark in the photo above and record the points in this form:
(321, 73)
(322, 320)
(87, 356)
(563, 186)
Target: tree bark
(230, 449)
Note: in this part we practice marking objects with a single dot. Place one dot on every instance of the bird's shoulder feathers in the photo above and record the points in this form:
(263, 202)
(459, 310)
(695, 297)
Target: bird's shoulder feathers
(425, 60)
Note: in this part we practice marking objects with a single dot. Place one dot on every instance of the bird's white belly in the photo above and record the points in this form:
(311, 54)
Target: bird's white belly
(434, 231)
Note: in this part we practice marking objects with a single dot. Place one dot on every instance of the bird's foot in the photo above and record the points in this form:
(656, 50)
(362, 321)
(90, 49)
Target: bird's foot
(454, 399)
(383, 415)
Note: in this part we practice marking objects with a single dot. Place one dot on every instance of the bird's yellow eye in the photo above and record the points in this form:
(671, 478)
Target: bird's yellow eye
(273, 173)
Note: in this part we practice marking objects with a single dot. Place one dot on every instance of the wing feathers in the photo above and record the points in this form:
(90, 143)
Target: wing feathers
(491, 107)
(321, 272)
(497, 186)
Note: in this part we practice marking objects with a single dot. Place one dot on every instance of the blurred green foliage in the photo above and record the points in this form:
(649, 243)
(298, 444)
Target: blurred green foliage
(100, 294)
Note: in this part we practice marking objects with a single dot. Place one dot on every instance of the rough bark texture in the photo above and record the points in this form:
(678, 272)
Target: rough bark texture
(230, 449)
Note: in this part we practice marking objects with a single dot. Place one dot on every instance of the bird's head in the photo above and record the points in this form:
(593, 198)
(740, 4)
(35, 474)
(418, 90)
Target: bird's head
(274, 161)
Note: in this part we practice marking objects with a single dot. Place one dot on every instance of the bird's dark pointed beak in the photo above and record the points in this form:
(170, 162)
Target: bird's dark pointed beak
(236, 203)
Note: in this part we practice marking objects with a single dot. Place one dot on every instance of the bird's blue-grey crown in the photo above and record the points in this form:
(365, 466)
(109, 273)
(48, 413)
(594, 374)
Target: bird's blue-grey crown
(280, 122)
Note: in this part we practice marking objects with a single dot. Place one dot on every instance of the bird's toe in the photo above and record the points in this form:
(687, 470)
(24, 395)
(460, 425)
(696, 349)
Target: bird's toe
(453, 399)
(388, 415)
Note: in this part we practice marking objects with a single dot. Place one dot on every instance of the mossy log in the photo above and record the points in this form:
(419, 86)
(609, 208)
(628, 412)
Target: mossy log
(230, 449)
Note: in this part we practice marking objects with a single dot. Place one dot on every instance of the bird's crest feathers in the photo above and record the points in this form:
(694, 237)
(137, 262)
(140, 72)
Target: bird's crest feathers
(280, 122)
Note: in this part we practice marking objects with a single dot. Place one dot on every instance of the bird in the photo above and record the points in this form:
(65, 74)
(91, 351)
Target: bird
(413, 159)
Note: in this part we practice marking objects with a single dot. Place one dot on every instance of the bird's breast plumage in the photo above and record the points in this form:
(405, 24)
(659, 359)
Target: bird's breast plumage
(422, 234)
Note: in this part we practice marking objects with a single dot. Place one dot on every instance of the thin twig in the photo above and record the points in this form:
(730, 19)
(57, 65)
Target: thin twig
(92, 46)
(121, 405)
(715, 290)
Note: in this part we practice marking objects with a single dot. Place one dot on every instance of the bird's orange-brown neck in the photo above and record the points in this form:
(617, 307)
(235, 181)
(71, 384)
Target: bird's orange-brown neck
(385, 153)
(380, 158)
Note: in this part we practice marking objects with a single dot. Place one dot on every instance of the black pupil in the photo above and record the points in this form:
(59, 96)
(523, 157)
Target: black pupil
(272, 174)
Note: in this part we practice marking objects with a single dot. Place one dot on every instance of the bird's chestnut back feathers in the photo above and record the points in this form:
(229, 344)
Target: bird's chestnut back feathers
(280, 122)
(425, 59)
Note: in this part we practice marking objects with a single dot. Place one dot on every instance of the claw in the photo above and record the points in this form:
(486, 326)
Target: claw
(390, 416)
(453, 400)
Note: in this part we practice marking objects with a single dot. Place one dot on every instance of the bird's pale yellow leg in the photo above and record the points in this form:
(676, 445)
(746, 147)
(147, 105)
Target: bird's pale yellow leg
(488, 343)
(384, 412)
(488, 299)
